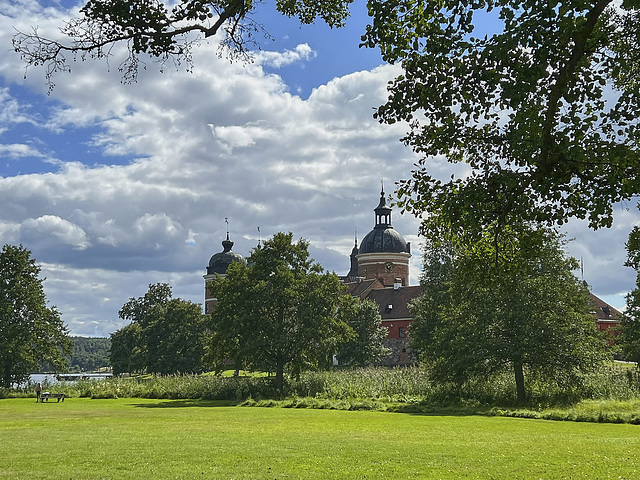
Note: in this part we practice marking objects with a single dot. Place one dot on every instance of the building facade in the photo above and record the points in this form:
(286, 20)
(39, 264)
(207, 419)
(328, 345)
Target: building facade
(380, 272)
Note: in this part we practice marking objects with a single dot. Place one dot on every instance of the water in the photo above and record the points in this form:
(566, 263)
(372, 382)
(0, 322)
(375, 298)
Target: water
(42, 378)
(50, 378)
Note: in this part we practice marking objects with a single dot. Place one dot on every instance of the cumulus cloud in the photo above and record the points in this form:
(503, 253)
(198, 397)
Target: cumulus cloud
(51, 228)
(180, 152)
(281, 59)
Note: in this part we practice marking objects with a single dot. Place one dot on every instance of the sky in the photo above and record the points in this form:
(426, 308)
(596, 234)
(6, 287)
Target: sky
(114, 187)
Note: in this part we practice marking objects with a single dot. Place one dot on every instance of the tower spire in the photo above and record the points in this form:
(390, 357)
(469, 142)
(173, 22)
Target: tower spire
(227, 244)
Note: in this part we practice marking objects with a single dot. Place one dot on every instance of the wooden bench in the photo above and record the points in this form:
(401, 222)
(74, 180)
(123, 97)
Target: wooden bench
(45, 396)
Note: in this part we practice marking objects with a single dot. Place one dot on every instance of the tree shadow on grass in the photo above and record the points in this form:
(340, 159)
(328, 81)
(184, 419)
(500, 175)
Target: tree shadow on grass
(187, 403)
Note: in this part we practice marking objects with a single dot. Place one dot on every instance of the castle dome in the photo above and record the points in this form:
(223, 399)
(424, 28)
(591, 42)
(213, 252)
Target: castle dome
(383, 238)
(219, 262)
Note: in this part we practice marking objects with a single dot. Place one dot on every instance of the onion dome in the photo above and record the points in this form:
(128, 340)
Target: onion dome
(383, 238)
(219, 262)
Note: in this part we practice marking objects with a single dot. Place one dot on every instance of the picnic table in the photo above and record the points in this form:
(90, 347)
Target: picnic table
(45, 396)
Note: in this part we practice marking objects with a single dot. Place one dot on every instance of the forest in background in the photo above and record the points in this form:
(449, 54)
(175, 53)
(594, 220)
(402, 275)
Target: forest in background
(89, 355)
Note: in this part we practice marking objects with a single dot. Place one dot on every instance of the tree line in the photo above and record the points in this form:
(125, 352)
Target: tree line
(542, 113)
(89, 354)
(279, 312)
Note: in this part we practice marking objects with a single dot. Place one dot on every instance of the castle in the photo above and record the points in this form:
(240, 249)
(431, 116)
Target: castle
(379, 270)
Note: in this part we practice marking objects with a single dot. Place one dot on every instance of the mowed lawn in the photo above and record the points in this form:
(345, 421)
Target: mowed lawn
(156, 439)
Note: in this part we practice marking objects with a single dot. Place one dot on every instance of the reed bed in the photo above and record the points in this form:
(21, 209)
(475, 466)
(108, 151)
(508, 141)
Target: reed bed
(395, 389)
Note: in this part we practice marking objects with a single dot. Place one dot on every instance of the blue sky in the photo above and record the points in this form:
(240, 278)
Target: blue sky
(113, 187)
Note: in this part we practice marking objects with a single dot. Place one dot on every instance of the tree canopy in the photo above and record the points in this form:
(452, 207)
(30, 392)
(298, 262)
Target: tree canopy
(165, 336)
(366, 345)
(30, 331)
(543, 111)
(508, 302)
(163, 30)
(279, 311)
(629, 338)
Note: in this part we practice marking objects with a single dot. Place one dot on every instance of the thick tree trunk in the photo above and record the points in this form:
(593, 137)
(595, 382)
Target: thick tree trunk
(520, 390)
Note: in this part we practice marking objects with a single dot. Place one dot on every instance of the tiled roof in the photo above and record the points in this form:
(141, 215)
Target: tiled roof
(603, 311)
(361, 289)
(398, 299)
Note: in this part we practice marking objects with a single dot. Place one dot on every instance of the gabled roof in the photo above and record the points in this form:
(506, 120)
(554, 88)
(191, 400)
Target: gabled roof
(362, 288)
(398, 299)
(603, 311)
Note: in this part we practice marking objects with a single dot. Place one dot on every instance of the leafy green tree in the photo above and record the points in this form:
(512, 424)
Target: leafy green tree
(542, 112)
(629, 338)
(163, 30)
(365, 346)
(30, 331)
(507, 302)
(166, 335)
(277, 312)
(126, 354)
(175, 337)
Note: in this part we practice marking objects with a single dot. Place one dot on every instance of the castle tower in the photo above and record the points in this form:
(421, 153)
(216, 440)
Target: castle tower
(384, 254)
(353, 269)
(218, 265)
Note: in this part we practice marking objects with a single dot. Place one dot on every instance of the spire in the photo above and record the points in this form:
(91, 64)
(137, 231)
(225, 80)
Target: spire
(227, 244)
(353, 270)
(383, 211)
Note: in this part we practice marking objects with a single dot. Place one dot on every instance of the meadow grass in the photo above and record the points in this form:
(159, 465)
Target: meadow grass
(610, 395)
(186, 439)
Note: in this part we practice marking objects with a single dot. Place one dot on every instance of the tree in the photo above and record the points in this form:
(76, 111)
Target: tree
(126, 355)
(366, 344)
(629, 338)
(163, 30)
(508, 302)
(175, 337)
(542, 113)
(165, 336)
(278, 311)
(30, 331)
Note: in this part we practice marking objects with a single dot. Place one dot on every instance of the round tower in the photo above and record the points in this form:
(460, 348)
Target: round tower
(383, 253)
(218, 265)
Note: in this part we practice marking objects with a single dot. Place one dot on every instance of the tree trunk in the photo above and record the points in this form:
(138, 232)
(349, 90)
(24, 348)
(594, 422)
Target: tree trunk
(520, 390)
(280, 376)
(6, 377)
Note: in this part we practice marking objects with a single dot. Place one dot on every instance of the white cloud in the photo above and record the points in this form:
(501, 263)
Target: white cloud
(302, 52)
(54, 229)
(17, 150)
(189, 149)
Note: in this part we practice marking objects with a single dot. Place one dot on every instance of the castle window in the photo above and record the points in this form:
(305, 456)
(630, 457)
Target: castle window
(400, 332)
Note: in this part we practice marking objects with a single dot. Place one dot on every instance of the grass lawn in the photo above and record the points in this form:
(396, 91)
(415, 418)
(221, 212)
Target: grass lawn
(140, 438)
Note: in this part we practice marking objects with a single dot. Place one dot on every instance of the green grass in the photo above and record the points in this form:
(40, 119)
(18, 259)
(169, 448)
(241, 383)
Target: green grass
(144, 438)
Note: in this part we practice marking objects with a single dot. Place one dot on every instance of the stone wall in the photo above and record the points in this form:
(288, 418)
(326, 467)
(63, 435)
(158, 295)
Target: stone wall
(400, 354)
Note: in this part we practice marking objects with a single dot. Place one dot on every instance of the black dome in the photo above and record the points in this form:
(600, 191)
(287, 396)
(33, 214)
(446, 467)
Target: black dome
(219, 262)
(383, 238)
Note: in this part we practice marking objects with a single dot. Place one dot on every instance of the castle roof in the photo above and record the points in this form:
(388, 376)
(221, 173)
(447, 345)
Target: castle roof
(383, 238)
(220, 261)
